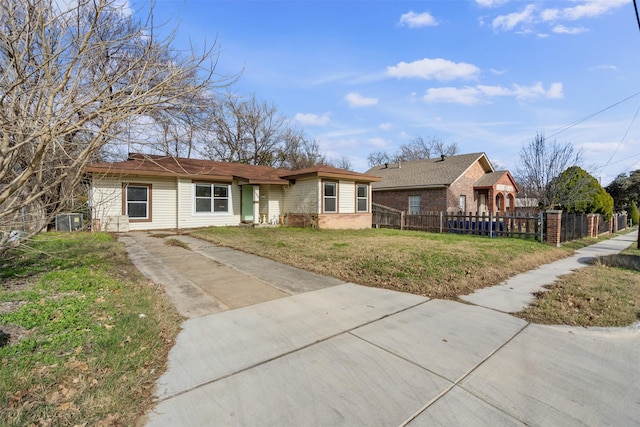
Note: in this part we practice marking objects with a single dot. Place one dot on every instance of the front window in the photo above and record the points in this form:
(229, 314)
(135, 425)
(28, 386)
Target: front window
(362, 198)
(211, 198)
(414, 205)
(463, 203)
(137, 203)
(330, 197)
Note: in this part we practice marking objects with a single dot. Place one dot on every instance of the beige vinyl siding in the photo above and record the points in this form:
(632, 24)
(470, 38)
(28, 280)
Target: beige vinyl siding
(188, 217)
(271, 198)
(346, 197)
(107, 200)
(303, 196)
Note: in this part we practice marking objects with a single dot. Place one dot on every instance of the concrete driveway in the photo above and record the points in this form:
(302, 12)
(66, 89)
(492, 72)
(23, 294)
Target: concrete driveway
(317, 351)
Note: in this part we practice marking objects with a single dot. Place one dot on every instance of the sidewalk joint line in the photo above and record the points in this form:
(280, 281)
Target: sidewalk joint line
(462, 378)
(282, 355)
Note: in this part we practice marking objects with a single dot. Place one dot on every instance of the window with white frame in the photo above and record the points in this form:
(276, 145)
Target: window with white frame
(330, 195)
(463, 203)
(414, 205)
(211, 198)
(362, 198)
(137, 201)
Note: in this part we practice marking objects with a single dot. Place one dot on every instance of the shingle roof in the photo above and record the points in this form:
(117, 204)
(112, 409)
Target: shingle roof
(436, 172)
(146, 165)
(152, 165)
(490, 179)
(328, 172)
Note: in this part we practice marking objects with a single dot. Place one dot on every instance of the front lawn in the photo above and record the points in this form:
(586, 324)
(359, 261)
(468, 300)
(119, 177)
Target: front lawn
(434, 265)
(83, 336)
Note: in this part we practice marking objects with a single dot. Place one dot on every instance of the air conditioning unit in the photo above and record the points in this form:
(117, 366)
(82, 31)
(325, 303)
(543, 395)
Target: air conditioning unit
(68, 222)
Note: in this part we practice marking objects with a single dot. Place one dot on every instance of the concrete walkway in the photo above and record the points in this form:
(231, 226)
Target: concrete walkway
(516, 293)
(332, 353)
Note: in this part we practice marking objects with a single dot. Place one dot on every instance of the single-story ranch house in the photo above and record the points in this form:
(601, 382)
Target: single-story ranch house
(463, 183)
(148, 192)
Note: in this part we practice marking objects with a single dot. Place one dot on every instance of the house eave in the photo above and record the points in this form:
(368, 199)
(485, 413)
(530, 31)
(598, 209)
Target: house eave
(162, 174)
(411, 187)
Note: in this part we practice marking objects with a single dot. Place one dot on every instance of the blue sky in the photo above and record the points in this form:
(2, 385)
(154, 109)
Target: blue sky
(362, 76)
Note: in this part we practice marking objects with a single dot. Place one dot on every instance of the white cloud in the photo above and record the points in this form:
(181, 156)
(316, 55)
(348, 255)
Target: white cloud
(313, 119)
(510, 21)
(481, 94)
(491, 3)
(385, 126)
(417, 20)
(561, 29)
(438, 69)
(606, 67)
(356, 100)
(377, 142)
(526, 93)
(588, 9)
(121, 6)
(465, 96)
(531, 15)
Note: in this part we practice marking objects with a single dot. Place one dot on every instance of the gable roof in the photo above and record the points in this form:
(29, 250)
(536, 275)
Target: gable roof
(492, 178)
(429, 173)
(166, 166)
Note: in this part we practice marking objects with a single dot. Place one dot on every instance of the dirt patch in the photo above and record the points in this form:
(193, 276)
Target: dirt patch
(9, 306)
(12, 334)
(16, 284)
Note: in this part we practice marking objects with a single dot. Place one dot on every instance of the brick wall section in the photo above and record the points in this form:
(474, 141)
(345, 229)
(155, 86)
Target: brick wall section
(431, 200)
(592, 224)
(554, 219)
(464, 186)
(345, 221)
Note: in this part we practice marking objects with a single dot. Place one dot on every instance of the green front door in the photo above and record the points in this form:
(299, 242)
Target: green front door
(247, 203)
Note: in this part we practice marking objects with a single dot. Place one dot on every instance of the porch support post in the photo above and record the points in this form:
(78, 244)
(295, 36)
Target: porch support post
(256, 204)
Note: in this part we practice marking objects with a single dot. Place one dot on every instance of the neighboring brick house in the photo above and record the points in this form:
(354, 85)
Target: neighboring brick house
(463, 183)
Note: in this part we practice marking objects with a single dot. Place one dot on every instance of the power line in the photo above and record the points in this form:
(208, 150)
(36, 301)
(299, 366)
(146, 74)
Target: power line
(623, 138)
(568, 126)
(635, 6)
(584, 119)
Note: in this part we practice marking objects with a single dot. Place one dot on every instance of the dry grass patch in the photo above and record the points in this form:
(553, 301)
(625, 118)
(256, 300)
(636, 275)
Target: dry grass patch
(604, 294)
(434, 265)
(172, 241)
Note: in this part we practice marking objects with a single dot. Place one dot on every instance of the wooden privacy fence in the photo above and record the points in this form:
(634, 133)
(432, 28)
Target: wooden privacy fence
(481, 224)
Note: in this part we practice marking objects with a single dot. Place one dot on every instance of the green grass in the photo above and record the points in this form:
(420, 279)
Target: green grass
(435, 265)
(95, 334)
(604, 294)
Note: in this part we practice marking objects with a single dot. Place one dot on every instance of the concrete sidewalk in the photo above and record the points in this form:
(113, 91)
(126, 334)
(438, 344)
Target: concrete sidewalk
(516, 293)
(341, 354)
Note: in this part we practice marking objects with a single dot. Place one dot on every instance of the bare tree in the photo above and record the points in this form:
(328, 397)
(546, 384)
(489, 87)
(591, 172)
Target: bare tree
(74, 76)
(301, 153)
(377, 158)
(250, 131)
(417, 149)
(342, 163)
(541, 162)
